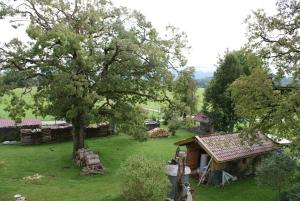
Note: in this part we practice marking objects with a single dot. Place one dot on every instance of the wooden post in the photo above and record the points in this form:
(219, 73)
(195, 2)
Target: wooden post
(205, 173)
(180, 173)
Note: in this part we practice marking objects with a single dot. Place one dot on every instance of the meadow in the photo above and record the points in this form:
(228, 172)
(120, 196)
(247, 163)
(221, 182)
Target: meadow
(153, 108)
(62, 179)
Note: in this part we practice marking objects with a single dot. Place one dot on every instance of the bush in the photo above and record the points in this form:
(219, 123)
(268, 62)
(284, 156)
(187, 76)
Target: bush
(291, 195)
(276, 171)
(173, 126)
(167, 115)
(188, 122)
(144, 180)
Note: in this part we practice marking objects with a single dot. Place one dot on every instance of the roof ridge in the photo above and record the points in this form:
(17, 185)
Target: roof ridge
(216, 134)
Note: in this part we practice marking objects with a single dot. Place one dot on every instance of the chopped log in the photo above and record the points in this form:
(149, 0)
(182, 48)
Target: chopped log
(89, 162)
(31, 136)
(92, 161)
(19, 198)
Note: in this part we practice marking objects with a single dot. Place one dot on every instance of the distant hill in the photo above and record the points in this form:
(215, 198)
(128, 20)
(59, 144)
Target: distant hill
(203, 77)
(199, 74)
(203, 82)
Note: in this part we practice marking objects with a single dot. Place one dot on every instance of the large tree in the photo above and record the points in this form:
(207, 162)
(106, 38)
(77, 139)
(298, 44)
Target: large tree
(276, 38)
(217, 99)
(263, 106)
(262, 97)
(92, 59)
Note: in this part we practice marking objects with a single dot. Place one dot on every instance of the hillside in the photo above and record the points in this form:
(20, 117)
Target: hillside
(154, 108)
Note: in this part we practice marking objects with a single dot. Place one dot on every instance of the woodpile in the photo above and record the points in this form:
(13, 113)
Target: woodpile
(31, 136)
(89, 162)
(35, 136)
(158, 132)
(47, 137)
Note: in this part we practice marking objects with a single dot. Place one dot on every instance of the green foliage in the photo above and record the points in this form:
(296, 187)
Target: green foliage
(292, 194)
(217, 100)
(168, 114)
(17, 107)
(17, 79)
(254, 100)
(174, 125)
(185, 92)
(276, 38)
(188, 122)
(276, 171)
(91, 58)
(184, 99)
(253, 95)
(265, 108)
(144, 179)
(130, 121)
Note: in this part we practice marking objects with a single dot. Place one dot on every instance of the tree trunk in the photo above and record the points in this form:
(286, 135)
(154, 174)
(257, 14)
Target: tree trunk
(78, 133)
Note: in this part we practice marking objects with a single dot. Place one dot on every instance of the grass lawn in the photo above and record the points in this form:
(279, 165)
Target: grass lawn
(63, 181)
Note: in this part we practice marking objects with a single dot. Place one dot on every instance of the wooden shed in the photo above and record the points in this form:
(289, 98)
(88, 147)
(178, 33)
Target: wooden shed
(201, 124)
(208, 155)
(10, 130)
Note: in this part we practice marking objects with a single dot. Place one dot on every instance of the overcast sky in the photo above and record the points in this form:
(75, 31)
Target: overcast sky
(212, 26)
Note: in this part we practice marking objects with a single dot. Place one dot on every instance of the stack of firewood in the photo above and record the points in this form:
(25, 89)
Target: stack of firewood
(46, 133)
(89, 162)
(158, 132)
(35, 136)
(31, 136)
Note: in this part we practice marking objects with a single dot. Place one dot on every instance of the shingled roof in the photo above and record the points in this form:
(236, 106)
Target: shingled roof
(6, 123)
(31, 122)
(200, 117)
(229, 147)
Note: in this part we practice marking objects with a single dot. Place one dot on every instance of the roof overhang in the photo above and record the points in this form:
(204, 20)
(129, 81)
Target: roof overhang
(197, 140)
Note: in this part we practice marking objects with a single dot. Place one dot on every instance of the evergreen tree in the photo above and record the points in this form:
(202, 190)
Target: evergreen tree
(217, 99)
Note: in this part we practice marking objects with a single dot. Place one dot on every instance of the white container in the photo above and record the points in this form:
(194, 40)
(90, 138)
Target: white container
(203, 162)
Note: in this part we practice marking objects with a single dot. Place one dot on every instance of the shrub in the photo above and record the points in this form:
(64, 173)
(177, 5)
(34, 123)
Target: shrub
(173, 126)
(292, 194)
(144, 180)
(276, 171)
(188, 122)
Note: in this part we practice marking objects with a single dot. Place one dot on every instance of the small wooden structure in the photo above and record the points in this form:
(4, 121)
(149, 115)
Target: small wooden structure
(10, 130)
(150, 124)
(34, 131)
(208, 156)
(201, 122)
